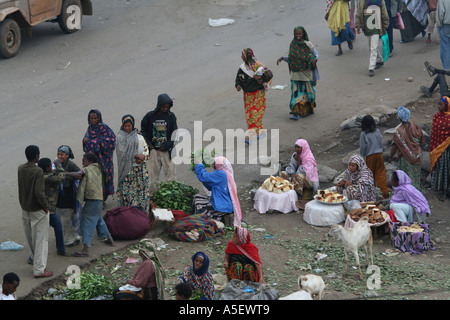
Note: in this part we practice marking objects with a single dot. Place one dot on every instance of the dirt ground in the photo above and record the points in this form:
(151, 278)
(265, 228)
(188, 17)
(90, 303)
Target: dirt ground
(289, 246)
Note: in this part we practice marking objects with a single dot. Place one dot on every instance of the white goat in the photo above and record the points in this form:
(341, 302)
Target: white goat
(312, 284)
(354, 238)
(297, 295)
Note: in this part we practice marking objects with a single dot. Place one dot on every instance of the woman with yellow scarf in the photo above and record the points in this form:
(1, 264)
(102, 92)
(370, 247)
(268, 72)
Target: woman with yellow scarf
(338, 18)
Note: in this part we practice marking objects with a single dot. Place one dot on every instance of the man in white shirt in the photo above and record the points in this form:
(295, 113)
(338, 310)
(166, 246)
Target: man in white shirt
(9, 286)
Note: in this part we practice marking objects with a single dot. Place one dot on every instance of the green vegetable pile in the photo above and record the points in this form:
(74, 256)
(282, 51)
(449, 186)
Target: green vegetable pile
(174, 195)
(91, 286)
(206, 156)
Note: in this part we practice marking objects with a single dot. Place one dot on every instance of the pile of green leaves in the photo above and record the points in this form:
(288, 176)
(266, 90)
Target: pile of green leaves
(205, 155)
(91, 286)
(174, 195)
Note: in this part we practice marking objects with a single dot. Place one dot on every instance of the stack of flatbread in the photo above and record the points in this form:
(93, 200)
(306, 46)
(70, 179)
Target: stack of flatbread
(415, 227)
(329, 196)
(277, 185)
(374, 214)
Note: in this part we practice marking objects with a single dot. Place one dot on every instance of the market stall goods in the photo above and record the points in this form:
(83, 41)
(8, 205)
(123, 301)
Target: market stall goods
(327, 196)
(277, 185)
(374, 214)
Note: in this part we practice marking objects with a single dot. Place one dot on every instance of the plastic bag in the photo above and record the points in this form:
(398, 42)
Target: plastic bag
(220, 22)
(386, 49)
(11, 246)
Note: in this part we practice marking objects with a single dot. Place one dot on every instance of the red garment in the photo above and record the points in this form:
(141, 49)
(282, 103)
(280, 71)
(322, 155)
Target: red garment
(144, 276)
(440, 136)
(392, 215)
(247, 248)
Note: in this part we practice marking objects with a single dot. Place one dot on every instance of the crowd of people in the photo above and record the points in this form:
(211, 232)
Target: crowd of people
(70, 199)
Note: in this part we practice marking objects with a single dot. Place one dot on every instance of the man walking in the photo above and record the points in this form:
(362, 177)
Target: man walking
(443, 25)
(34, 205)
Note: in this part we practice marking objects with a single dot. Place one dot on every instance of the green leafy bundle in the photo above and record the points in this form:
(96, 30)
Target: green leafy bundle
(91, 286)
(174, 195)
(206, 156)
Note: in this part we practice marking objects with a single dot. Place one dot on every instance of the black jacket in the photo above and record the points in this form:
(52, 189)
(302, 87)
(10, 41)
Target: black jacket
(147, 123)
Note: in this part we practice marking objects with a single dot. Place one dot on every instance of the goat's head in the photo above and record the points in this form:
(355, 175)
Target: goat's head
(334, 231)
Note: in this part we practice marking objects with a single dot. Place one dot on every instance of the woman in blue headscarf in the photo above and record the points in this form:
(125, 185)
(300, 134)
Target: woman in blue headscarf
(198, 276)
(407, 139)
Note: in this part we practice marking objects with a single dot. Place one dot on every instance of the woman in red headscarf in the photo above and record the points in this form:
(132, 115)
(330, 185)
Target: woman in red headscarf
(439, 148)
(242, 259)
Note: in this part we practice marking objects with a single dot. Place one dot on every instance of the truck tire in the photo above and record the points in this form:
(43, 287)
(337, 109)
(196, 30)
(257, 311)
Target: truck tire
(69, 19)
(10, 38)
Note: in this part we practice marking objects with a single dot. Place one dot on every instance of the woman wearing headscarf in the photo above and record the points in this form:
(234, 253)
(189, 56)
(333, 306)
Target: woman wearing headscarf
(407, 198)
(302, 62)
(371, 149)
(148, 279)
(132, 153)
(67, 207)
(253, 79)
(406, 141)
(338, 18)
(302, 168)
(242, 260)
(220, 184)
(439, 149)
(101, 140)
(358, 183)
(198, 276)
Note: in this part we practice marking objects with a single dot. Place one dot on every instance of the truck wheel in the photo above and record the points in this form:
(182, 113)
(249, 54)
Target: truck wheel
(69, 19)
(10, 38)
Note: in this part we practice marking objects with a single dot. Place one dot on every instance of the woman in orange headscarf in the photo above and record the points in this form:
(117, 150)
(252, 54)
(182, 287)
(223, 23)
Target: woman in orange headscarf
(242, 259)
(439, 148)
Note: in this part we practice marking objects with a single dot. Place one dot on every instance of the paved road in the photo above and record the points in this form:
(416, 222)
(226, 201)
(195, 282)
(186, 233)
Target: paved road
(129, 52)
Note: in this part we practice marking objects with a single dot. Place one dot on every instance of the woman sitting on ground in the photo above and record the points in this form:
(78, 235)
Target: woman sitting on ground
(242, 259)
(302, 169)
(222, 187)
(407, 199)
(144, 285)
(358, 183)
(198, 276)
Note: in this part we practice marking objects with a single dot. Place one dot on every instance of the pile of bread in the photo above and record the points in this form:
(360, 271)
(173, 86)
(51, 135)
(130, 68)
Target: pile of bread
(374, 214)
(415, 227)
(277, 185)
(329, 196)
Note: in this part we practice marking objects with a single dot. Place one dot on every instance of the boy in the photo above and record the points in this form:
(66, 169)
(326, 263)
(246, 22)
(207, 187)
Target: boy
(90, 192)
(373, 18)
(52, 181)
(9, 286)
(183, 291)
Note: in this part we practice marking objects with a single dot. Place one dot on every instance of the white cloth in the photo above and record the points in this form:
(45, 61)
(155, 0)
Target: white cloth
(319, 214)
(283, 202)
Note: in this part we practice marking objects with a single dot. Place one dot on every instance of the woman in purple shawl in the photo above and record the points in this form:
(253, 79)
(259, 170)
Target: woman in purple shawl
(407, 198)
(101, 140)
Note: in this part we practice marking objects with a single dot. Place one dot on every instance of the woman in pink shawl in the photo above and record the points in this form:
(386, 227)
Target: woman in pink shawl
(302, 169)
(222, 196)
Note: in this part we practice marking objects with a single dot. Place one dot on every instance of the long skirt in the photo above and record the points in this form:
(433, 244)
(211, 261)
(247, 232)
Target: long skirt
(343, 36)
(375, 162)
(301, 183)
(245, 272)
(440, 178)
(303, 98)
(143, 294)
(202, 205)
(134, 190)
(255, 106)
(413, 171)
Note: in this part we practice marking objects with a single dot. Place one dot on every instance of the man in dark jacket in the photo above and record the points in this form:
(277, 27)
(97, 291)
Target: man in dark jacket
(35, 206)
(157, 127)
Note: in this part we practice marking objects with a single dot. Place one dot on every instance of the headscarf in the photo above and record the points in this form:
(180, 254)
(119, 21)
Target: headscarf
(102, 142)
(407, 193)
(205, 265)
(251, 66)
(404, 114)
(407, 138)
(246, 247)
(363, 178)
(301, 53)
(223, 164)
(127, 145)
(440, 133)
(308, 160)
(148, 249)
(66, 149)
